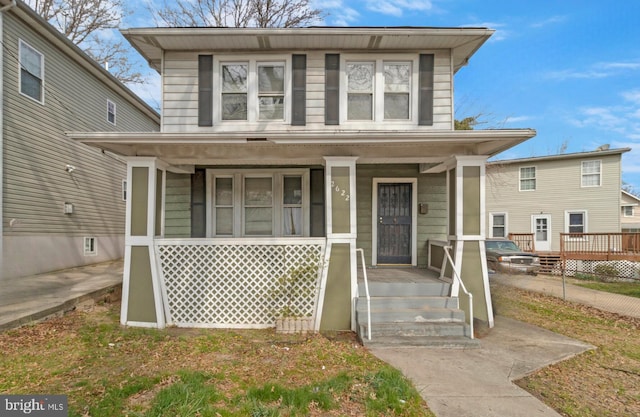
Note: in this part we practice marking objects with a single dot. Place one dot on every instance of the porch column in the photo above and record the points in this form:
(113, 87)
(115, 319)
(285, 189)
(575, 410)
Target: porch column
(341, 284)
(141, 291)
(466, 185)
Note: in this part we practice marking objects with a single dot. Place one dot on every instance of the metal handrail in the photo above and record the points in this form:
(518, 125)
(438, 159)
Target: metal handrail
(366, 290)
(464, 289)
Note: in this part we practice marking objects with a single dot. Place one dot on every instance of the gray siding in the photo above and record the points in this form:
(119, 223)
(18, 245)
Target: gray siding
(177, 206)
(180, 94)
(558, 189)
(431, 190)
(36, 149)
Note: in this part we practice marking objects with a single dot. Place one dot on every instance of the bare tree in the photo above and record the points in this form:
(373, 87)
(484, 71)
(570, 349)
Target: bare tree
(83, 23)
(237, 13)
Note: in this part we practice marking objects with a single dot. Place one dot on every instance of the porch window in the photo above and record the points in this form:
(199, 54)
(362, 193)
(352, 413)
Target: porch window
(576, 221)
(253, 90)
(259, 203)
(591, 173)
(31, 72)
(527, 179)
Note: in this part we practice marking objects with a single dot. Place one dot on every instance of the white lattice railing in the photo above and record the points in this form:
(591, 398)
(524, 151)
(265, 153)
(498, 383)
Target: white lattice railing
(239, 283)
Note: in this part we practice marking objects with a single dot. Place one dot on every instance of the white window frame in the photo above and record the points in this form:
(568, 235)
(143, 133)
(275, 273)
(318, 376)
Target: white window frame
(534, 178)
(109, 112)
(22, 44)
(506, 220)
(252, 62)
(585, 220)
(90, 246)
(278, 205)
(626, 213)
(584, 175)
(378, 88)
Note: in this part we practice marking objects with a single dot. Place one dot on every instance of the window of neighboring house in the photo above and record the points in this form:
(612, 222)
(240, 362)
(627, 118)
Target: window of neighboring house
(628, 211)
(591, 173)
(379, 90)
(576, 221)
(124, 190)
(259, 203)
(90, 247)
(253, 91)
(31, 72)
(527, 179)
(498, 224)
(111, 112)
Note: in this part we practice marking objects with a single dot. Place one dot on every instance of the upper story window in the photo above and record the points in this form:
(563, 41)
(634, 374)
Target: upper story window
(31, 72)
(111, 112)
(628, 211)
(591, 173)
(379, 90)
(252, 90)
(527, 179)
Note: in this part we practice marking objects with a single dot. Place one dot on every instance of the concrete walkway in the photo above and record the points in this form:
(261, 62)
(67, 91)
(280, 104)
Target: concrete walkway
(28, 299)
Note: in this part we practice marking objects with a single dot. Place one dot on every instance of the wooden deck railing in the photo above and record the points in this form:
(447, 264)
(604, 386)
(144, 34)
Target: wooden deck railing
(524, 241)
(600, 246)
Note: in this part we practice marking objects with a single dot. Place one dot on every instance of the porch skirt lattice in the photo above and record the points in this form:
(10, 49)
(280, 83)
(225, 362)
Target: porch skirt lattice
(233, 285)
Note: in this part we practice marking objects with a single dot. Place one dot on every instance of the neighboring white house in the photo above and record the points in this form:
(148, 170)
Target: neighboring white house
(62, 203)
(285, 149)
(549, 195)
(629, 212)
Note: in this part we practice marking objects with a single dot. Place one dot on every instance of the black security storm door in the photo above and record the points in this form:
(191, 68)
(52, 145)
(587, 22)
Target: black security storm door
(394, 223)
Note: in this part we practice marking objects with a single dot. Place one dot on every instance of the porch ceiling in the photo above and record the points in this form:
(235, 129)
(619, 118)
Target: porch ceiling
(305, 148)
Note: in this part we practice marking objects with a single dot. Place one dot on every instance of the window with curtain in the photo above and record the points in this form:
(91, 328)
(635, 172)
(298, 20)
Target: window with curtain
(591, 173)
(527, 179)
(31, 72)
(360, 90)
(271, 91)
(397, 88)
(498, 225)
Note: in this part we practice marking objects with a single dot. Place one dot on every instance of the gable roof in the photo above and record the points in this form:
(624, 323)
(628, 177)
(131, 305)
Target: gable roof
(151, 42)
(628, 196)
(46, 30)
(576, 155)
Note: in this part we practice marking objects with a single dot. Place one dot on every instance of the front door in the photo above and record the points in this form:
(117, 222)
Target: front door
(394, 223)
(541, 229)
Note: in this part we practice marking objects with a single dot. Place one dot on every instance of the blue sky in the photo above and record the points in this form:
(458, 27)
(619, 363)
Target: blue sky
(568, 68)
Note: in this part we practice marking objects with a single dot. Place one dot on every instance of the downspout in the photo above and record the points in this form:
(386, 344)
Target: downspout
(2, 9)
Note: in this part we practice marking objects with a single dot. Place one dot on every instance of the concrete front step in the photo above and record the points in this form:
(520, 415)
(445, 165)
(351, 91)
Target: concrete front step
(392, 289)
(408, 329)
(410, 315)
(408, 302)
(458, 342)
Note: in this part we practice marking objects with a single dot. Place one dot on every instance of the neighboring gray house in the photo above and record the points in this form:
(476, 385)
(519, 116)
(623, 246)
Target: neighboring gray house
(549, 195)
(62, 203)
(283, 151)
(629, 212)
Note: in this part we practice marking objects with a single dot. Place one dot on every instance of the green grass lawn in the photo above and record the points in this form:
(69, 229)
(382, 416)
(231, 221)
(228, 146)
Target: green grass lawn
(631, 289)
(108, 370)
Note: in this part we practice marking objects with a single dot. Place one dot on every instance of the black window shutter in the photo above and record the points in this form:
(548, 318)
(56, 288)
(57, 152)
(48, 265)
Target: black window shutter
(198, 204)
(425, 106)
(299, 102)
(205, 90)
(332, 89)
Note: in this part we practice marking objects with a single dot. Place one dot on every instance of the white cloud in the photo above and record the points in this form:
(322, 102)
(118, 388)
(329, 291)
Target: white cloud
(595, 71)
(550, 21)
(398, 7)
(500, 32)
(339, 14)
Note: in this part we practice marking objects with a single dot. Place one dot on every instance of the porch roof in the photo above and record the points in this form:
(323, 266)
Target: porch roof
(151, 42)
(305, 147)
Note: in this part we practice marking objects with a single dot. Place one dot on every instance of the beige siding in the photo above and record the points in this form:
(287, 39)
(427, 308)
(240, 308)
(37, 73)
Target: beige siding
(630, 222)
(558, 189)
(180, 94)
(36, 151)
(431, 191)
(178, 206)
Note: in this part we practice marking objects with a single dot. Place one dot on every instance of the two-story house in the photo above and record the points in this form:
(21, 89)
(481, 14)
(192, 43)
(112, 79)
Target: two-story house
(550, 195)
(62, 203)
(629, 212)
(282, 149)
